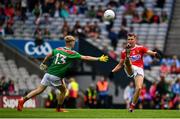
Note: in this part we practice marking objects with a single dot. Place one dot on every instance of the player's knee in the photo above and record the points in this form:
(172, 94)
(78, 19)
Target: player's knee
(138, 88)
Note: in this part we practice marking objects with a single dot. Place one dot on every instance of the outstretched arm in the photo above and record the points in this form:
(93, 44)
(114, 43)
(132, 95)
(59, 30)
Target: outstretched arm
(152, 53)
(90, 58)
(118, 66)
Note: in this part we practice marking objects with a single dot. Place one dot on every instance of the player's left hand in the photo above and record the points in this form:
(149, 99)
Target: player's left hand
(103, 58)
(43, 66)
(157, 55)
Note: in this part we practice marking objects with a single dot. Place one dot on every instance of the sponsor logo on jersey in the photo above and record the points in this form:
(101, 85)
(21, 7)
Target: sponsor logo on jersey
(31, 49)
(135, 57)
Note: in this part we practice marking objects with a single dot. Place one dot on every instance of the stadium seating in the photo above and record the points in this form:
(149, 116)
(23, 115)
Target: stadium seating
(23, 81)
(149, 34)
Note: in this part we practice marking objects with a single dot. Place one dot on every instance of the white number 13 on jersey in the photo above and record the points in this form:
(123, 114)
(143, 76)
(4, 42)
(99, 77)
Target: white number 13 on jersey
(60, 59)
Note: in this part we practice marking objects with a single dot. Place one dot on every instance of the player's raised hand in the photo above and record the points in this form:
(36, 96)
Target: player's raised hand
(103, 58)
(43, 66)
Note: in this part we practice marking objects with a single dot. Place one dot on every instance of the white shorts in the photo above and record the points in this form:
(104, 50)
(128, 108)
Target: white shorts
(136, 71)
(51, 80)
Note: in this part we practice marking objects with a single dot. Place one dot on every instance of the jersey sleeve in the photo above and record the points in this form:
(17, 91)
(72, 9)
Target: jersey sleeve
(77, 56)
(53, 52)
(144, 49)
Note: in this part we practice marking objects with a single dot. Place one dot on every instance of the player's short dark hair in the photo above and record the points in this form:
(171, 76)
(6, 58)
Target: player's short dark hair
(132, 34)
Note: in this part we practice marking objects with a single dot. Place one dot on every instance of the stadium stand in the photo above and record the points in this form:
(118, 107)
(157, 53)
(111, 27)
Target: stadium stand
(142, 21)
(145, 31)
(172, 45)
(23, 81)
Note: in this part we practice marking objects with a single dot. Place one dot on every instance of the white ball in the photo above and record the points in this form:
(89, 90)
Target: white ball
(109, 14)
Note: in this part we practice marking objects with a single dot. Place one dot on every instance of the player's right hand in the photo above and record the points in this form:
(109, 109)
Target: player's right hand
(103, 58)
(43, 66)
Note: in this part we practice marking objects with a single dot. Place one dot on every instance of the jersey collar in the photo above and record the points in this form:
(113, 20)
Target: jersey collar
(134, 47)
(67, 48)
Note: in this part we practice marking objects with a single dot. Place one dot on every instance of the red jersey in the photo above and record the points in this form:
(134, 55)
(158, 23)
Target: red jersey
(136, 55)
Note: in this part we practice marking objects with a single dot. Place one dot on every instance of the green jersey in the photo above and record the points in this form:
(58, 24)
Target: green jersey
(63, 58)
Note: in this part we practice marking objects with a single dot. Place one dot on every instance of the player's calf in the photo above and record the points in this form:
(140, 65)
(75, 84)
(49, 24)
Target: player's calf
(136, 94)
(128, 67)
(135, 100)
(127, 62)
(61, 98)
(63, 89)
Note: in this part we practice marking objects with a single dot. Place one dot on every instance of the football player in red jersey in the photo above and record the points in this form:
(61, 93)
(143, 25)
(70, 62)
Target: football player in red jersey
(132, 62)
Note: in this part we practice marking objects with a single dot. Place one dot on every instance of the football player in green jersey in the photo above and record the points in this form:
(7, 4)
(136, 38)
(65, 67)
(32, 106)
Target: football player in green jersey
(54, 76)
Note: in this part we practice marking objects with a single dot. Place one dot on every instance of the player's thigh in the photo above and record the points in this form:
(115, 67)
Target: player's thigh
(138, 70)
(41, 88)
(127, 62)
(138, 81)
(129, 68)
(45, 80)
(129, 71)
(54, 80)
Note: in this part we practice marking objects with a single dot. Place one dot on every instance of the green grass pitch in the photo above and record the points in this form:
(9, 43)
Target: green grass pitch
(88, 113)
